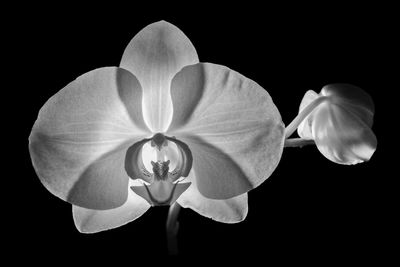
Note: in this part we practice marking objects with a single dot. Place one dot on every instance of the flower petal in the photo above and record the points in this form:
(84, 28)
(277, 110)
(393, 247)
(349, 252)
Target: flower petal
(230, 210)
(93, 221)
(230, 124)
(154, 56)
(79, 140)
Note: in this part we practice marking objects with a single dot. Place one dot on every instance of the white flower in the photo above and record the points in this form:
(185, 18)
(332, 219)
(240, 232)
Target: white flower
(340, 124)
(94, 141)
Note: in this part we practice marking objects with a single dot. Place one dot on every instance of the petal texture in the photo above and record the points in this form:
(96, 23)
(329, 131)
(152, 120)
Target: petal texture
(80, 137)
(230, 124)
(230, 210)
(93, 221)
(154, 56)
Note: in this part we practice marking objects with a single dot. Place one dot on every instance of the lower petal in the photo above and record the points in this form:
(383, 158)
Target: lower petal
(93, 221)
(230, 210)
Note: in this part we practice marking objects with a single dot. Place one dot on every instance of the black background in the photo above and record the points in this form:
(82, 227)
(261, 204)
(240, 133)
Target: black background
(309, 207)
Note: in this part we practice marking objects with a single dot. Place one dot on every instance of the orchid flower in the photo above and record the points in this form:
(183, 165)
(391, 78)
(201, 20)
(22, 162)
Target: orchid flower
(160, 128)
(339, 121)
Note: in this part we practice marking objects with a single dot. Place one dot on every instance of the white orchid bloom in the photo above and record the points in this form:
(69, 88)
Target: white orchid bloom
(118, 140)
(339, 120)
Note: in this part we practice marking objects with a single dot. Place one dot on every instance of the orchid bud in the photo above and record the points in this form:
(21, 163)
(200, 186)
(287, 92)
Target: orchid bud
(341, 124)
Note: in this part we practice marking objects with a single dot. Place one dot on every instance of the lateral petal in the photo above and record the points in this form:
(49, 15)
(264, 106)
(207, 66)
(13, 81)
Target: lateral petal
(78, 143)
(230, 210)
(230, 124)
(154, 56)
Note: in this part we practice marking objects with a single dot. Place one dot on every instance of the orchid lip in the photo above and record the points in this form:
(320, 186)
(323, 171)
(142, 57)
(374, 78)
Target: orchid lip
(145, 192)
(158, 202)
(155, 202)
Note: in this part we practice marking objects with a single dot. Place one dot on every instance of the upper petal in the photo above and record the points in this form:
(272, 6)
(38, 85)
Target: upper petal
(93, 221)
(230, 124)
(80, 137)
(230, 210)
(155, 55)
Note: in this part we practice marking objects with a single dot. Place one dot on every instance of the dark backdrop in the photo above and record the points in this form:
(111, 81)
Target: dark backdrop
(307, 208)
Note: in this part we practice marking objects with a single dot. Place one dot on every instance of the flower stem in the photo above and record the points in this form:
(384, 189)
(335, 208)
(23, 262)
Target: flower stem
(298, 142)
(172, 228)
(302, 115)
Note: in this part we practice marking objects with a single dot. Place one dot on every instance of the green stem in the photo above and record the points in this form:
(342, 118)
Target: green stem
(172, 228)
(302, 115)
(298, 142)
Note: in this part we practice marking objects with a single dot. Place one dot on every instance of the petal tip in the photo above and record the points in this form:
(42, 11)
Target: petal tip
(163, 23)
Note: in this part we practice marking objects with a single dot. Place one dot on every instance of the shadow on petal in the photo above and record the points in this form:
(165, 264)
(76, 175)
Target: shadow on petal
(218, 176)
(185, 101)
(125, 81)
(103, 184)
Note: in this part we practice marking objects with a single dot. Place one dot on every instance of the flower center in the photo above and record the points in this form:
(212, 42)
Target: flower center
(149, 160)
